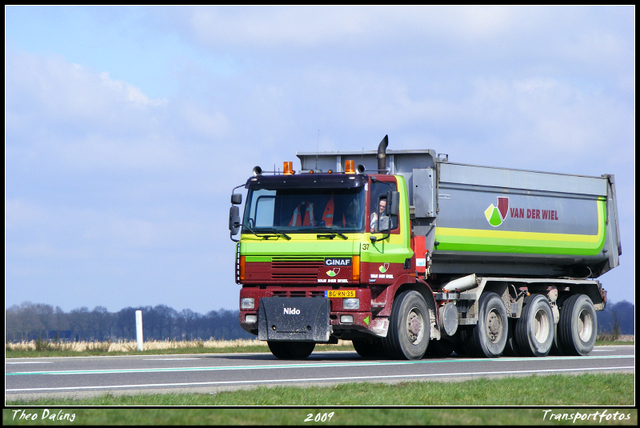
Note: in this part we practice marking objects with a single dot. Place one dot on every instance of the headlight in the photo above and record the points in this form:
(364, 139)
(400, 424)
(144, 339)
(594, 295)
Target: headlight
(251, 319)
(350, 303)
(247, 303)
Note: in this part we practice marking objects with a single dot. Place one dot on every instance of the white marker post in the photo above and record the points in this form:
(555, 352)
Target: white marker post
(139, 329)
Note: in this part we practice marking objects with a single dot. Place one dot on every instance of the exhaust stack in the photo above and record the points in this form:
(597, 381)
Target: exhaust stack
(382, 154)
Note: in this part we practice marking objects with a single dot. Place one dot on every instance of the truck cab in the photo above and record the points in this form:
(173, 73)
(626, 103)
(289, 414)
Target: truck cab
(317, 254)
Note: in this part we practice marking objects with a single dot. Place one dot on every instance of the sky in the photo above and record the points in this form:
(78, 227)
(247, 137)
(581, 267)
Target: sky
(126, 128)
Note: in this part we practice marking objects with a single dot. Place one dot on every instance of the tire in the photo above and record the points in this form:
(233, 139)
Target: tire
(291, 350)
(535, 328)
(488, 337)
(409, 327)
(578, 326)
(511, 348)
(368, 349)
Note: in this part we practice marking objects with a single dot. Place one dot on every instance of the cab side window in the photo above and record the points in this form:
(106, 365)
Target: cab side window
(379, 219)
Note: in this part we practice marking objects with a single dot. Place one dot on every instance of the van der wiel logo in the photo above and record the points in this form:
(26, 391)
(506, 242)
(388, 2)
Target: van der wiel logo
(496, 215)
(333, 272)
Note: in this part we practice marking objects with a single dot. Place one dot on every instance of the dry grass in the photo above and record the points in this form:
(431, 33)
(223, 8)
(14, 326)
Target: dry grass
(128, 346)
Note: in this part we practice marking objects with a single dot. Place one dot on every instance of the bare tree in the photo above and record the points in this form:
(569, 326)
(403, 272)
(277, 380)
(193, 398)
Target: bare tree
(126, 322)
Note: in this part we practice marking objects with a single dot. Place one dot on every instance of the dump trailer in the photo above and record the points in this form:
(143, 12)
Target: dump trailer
(409, 255)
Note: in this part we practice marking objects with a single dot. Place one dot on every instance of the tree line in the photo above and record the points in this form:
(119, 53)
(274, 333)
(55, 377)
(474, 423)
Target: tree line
(31, 321)
(618, 316)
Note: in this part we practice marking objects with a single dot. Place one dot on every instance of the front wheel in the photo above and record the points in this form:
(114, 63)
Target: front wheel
(578, 326)
(291, 350)
(409, 327)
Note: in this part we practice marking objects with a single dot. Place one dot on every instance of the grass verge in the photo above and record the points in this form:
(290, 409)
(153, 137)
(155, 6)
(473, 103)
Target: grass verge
(35, 349)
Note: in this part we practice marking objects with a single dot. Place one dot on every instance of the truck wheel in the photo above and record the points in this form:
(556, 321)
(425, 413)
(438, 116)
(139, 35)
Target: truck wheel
(489, 336)
(291, 350)
(578, 326)
(534, 328)
(409, 327)
(368, 349)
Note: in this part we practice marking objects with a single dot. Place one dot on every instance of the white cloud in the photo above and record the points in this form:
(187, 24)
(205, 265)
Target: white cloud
(268, 26)
(64, 92)
(128, 92)
(354, 26)
(64, 112)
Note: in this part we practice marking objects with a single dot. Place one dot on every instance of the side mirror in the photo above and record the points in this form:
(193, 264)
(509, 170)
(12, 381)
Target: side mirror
(234, 220)
(236, 198)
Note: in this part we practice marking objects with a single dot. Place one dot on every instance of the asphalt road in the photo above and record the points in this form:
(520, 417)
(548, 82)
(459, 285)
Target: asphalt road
(207, 373)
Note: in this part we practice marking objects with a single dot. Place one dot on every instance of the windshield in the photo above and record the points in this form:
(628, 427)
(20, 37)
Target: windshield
(304, 210)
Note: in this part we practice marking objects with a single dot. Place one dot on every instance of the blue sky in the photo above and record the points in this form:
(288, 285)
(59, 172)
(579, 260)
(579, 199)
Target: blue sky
(127, 127)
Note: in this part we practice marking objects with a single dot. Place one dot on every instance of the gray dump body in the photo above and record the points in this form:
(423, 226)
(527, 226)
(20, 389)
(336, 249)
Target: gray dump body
(500, 221)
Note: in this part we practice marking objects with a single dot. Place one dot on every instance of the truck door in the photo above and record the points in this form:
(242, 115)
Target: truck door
(388, 257)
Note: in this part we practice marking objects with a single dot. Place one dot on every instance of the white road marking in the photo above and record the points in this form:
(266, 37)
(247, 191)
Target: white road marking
(169, 359)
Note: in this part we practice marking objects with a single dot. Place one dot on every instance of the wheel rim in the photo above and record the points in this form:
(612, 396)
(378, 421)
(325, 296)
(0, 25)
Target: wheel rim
(415, 326)
(541, 327)
(494, 326)
(585, 323)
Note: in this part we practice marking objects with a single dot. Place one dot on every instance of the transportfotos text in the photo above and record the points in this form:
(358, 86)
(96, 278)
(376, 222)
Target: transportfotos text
(597, 416)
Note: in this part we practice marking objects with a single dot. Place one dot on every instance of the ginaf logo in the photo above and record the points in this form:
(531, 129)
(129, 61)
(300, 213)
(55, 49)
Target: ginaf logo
(496, 215)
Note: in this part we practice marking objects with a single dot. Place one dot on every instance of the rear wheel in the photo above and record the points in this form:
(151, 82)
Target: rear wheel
(534, 329)
(488, 337)
(578, 326)
(409, 327)
(291, 350)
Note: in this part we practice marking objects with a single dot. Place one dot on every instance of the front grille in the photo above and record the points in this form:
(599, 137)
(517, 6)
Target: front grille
(296, 269)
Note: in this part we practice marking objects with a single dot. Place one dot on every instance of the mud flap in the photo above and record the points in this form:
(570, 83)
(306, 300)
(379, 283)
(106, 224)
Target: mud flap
(294, 319)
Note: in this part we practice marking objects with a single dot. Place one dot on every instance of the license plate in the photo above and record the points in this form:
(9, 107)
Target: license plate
(341, 293)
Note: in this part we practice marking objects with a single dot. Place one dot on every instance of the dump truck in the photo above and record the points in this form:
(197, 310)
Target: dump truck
(409, 255)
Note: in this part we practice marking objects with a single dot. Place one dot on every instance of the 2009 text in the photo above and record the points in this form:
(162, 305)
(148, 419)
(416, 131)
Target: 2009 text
(319, 417)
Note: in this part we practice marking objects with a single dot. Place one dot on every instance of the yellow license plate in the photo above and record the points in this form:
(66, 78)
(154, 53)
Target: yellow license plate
(341, 293)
